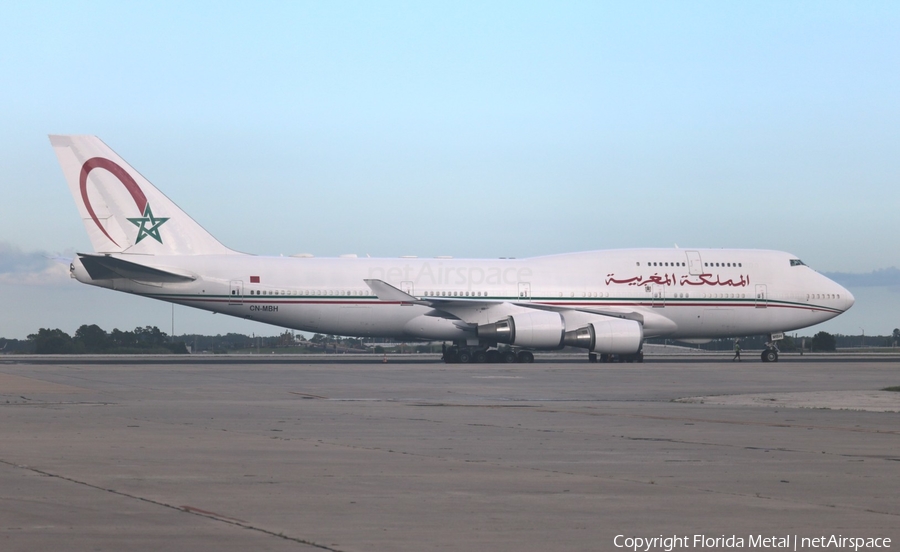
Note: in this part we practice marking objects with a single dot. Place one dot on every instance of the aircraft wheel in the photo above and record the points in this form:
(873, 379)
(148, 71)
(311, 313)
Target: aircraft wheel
(480, 357)
(525, 357)
(464, 357)
(770, 355)
(508, 357)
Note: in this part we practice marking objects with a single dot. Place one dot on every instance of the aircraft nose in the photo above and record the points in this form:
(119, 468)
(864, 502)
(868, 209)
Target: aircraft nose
(847, 299)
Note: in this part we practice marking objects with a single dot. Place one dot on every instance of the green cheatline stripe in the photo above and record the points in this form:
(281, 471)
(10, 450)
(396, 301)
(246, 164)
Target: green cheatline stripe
(373, 299)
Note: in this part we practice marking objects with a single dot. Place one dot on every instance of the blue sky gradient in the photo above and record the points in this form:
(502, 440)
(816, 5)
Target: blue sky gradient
(506, 129)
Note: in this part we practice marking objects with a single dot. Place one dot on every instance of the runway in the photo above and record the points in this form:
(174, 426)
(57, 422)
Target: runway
(425, 456)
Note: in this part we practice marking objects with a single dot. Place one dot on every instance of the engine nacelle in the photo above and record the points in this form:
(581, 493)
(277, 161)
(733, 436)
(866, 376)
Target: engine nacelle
(608, 335)
(536, 330)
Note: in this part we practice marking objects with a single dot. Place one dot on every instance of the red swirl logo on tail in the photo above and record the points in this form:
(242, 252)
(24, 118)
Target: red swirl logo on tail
(122, 175)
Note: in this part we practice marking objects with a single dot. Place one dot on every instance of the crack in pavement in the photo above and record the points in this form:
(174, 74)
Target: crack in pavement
(182, 509)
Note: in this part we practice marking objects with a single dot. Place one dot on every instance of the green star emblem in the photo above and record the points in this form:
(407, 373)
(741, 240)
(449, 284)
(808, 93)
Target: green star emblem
(148, 225)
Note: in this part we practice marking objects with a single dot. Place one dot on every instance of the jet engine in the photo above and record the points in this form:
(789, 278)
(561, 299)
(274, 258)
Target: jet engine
(607, 335)
(537, 330)
(547, 330)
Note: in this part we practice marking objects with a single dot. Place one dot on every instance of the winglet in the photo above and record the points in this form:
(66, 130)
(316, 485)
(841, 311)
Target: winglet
(386, 292)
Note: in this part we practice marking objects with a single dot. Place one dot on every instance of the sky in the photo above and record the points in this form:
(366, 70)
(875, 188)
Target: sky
(472, 129)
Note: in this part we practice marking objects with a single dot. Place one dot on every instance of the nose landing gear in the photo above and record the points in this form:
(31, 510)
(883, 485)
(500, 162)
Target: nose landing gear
(770, 354)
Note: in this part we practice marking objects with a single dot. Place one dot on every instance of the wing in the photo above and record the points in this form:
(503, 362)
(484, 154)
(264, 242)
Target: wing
(475, 311)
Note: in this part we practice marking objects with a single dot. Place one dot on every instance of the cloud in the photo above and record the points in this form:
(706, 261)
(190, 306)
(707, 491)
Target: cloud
(30, 268)
(883, 277)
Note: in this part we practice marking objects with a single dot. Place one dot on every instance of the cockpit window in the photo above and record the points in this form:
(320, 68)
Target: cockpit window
(797, 262)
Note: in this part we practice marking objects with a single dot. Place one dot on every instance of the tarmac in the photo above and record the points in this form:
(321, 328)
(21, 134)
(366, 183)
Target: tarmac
(206, 453)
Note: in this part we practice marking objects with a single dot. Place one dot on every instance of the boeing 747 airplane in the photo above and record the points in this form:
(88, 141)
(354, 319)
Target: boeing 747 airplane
(605, 302)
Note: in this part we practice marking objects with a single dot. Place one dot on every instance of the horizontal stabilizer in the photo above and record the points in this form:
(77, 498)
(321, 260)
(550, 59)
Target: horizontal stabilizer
(104, 267)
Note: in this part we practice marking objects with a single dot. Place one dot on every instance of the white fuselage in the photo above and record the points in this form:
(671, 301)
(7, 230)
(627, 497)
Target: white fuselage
(677, 293)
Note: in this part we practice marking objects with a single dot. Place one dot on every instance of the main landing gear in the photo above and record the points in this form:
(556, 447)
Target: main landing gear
(456, 354)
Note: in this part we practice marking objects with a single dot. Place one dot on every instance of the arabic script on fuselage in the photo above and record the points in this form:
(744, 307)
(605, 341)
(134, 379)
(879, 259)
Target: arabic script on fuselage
(685, 280)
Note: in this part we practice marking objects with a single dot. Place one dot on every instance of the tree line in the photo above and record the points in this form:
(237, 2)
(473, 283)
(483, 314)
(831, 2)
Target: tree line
(821, 342)
(92, 339)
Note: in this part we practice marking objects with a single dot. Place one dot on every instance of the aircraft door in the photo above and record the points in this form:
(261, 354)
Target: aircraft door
(657, 296)
(761, 297)
(524, 291)
(407, 287)
(236, 296)
(695, 264)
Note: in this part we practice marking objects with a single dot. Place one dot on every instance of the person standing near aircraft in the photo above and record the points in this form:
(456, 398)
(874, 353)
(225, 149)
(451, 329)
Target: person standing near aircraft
(737, 350)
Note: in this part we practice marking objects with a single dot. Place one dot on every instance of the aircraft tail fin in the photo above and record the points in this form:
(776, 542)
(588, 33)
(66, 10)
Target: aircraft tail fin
(121, 210)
